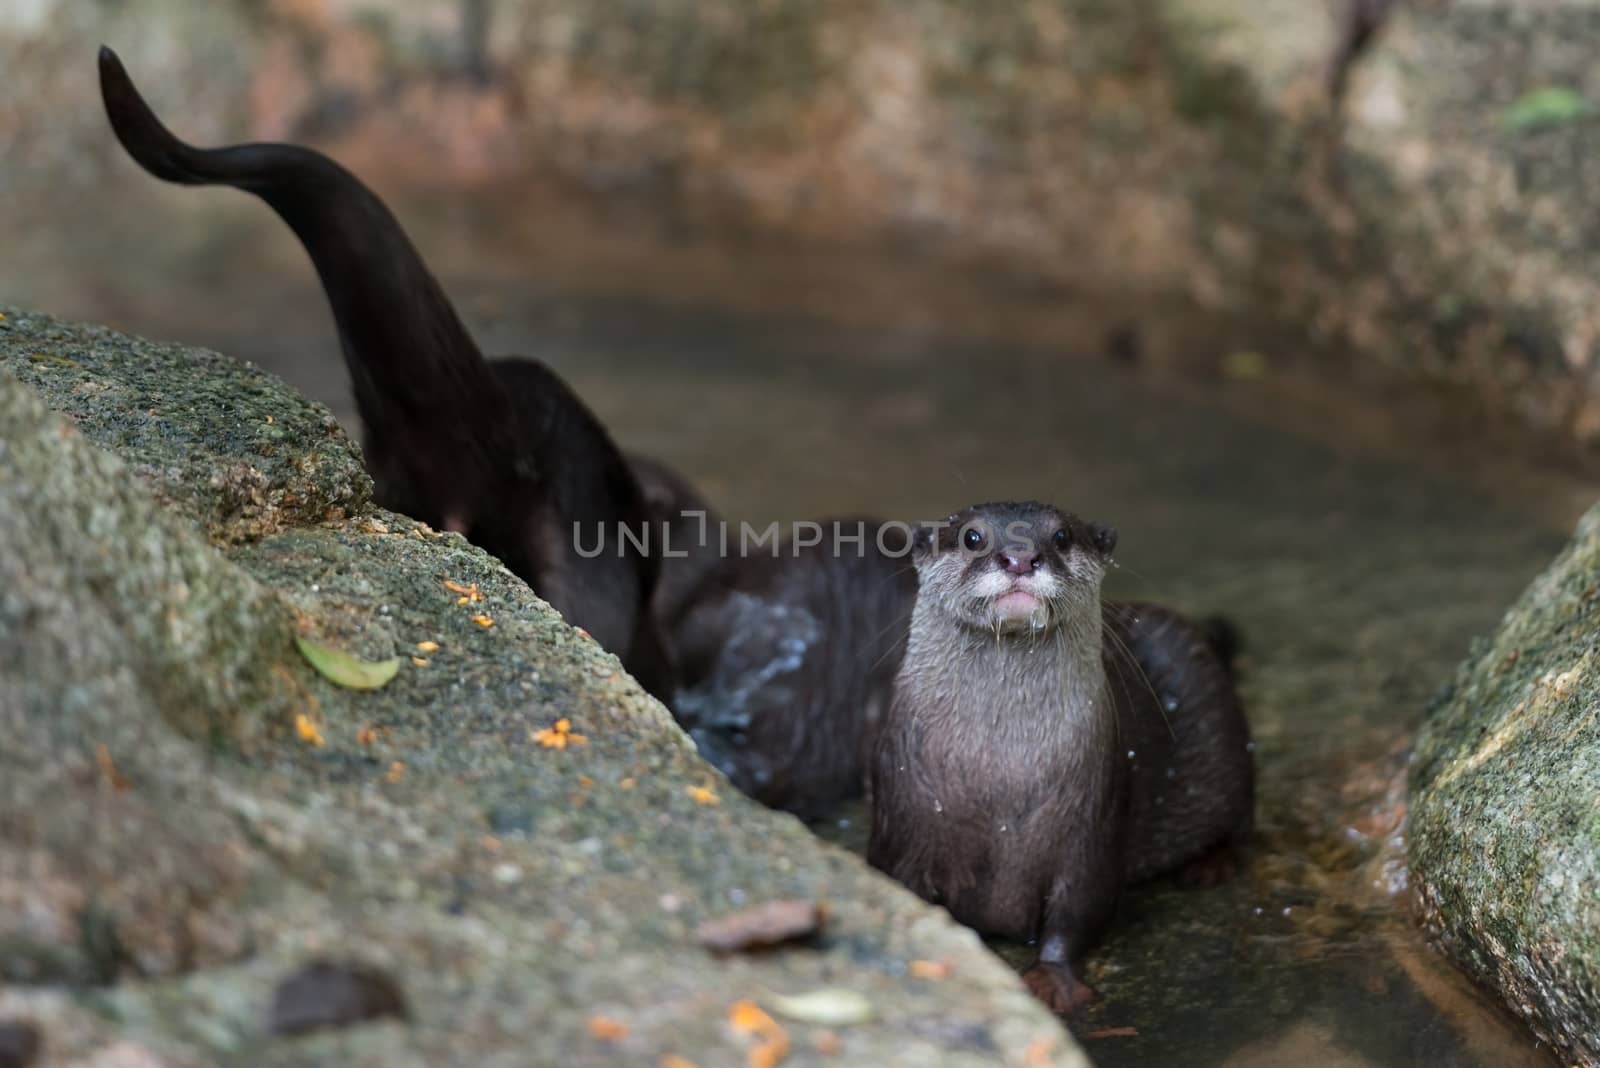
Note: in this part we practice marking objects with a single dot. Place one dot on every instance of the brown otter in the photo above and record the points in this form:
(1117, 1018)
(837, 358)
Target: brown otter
(785, 653)
(1029, 767)
(501, 451)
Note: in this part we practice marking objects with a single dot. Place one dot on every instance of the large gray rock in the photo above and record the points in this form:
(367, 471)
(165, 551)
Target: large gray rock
(1504, 817)
(189, 813)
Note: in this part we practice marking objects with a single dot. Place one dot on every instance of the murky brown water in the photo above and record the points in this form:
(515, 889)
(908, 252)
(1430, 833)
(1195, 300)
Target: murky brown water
(1358, 553)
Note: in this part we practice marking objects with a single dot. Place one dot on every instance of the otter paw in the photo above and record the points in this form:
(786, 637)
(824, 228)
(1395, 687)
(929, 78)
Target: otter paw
(1212, 868)
(1060, 990)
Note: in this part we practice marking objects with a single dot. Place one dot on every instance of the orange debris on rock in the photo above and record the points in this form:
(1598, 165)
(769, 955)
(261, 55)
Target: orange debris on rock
(469, 593)
(108, 769)
(704, 795)
(748, 1018)
(308, 731)
(607, 1029)
(558, 736)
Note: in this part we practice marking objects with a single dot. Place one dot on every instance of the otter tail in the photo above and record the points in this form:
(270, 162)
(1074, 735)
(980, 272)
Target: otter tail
(422, 386)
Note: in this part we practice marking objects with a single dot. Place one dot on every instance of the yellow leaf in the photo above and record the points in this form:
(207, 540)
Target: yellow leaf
(831, 1007)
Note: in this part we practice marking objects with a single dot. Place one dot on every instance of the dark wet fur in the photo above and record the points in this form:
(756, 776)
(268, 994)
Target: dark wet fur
(785, 662)
(821, 637)
(504, 450)
(1027, 822)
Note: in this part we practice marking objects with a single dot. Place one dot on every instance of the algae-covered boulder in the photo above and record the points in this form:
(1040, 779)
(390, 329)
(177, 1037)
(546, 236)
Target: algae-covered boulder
(208, 849)
(1505, 806)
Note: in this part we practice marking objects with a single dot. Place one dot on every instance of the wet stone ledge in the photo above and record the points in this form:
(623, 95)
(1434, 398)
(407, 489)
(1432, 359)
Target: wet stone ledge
(202, 840)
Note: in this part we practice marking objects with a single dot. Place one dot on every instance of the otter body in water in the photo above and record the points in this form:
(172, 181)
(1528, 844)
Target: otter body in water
(1026, 770)
(785, 655)
(502, 452)
(787, 662)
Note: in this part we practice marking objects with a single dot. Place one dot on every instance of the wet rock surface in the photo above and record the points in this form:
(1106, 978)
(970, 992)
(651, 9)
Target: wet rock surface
(191, 817)
(1504, 818)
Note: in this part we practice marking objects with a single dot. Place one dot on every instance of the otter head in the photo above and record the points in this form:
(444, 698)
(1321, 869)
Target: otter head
(1014, 567)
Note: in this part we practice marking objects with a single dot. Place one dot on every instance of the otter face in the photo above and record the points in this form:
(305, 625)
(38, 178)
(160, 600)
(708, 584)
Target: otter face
(1014, 567)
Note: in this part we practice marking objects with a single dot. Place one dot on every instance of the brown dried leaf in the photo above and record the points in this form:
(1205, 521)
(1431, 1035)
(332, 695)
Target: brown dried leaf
(763, 926)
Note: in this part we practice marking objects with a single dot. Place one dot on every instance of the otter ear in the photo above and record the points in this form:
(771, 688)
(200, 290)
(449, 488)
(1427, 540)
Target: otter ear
(1104, 537)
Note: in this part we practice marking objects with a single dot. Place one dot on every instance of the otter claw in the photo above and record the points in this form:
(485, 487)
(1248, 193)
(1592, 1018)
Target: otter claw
(1062, 992)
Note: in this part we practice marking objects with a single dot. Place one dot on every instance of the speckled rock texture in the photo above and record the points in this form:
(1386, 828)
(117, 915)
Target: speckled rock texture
(1115, 156)
(190, 815)
(1504, 821)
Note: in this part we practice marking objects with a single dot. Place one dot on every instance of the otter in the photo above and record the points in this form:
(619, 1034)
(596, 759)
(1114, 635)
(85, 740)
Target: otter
(785, 654)
(1042, 750)
(787, 658)
(500, 451)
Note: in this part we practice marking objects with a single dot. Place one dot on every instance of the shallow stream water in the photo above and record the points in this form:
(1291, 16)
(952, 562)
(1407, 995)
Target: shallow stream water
(1357, 566)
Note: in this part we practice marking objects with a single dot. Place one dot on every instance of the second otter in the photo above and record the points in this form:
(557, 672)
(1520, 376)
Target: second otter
(1028, 768)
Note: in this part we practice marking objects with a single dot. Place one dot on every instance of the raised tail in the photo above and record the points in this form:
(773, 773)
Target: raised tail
(435, 414)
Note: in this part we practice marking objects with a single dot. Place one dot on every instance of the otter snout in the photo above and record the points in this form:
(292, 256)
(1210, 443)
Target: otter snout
(1019, 561)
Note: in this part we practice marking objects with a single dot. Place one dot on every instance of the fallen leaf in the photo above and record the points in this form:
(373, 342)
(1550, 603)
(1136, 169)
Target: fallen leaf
(483, 620)
(419, 661)
(108, 769)
(427, 647)
(827, 1043)
(44, 357)
(829, 1007)
(629, 783)
(345, 670)
(308, 731)
(367, 734)
(396, 772)
(1553, 106)
(763, 926)
(930, 969)
(704, 795)
(672, 1060)
(607, 1029)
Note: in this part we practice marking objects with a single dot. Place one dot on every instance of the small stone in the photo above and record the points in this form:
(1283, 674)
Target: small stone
(329, 994)
(19, 1043)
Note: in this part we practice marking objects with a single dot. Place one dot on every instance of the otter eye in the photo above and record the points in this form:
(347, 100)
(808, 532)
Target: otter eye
(1061, 540)
(973, 539)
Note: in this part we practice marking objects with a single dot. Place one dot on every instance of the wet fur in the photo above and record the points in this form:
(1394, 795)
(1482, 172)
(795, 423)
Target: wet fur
(1000, 781)
(785, 661)
(502, 451)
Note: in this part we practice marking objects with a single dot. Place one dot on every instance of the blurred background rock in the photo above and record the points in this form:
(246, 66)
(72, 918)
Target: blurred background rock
(1173, 168)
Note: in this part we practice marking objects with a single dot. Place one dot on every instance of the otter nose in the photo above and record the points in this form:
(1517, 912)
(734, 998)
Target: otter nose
(1019, 562)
